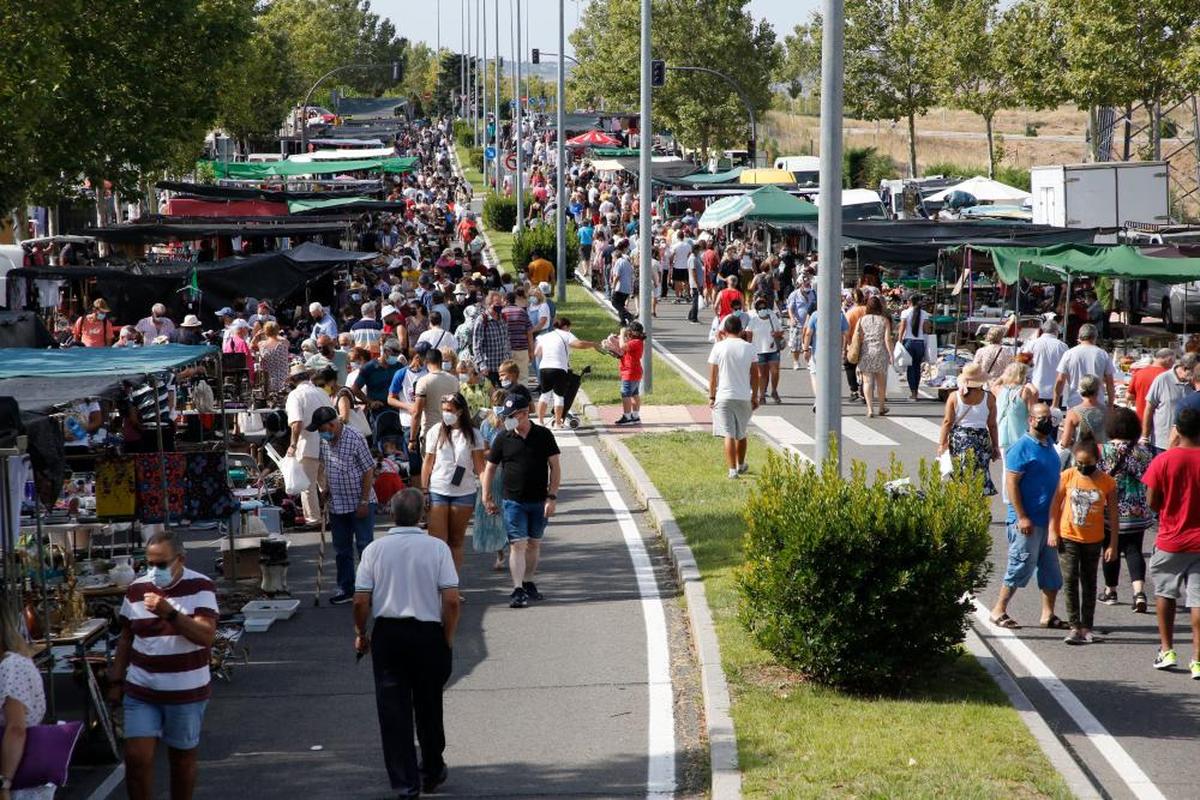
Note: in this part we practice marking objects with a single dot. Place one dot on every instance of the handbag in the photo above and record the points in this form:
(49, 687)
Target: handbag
(47, 756)
(358, 420)
(854, 351)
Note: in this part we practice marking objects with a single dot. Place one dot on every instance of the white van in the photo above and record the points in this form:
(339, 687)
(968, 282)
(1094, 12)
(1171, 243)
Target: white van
(806, 169)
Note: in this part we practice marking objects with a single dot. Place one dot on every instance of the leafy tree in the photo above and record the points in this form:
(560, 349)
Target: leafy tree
(801, 64)
(891, 69)
(701, 110)
(260, 87)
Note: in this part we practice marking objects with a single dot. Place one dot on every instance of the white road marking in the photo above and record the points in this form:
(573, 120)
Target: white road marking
(1138, 782)
(660, 776)
(783, 431)
(857, 432)
(922, 426)
(110, 784)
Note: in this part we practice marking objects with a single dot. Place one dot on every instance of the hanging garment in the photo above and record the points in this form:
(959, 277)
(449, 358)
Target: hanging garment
(116, 487)
(208, 494)
(151, 504)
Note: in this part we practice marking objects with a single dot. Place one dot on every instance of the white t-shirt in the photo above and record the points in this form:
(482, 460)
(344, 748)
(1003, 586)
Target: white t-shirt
(439, 339)
(733, 357)
(1085, 359)
(680, 253)
(454, 452)
(301, 403)
(764, 341)
(906, 316)
(1047, 351)
(405, 572)
(556, 347)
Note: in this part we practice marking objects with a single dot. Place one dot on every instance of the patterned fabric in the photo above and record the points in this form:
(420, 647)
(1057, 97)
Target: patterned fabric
(116, 493)
(275, 360)
(975, 445)
(490, 343)
(874, 354)
(150, 501)
(346, 460)
(1133, 459)
(517, 320)
(208, 494)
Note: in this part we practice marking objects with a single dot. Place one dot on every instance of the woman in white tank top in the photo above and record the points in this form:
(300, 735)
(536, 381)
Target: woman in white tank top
(969, 425)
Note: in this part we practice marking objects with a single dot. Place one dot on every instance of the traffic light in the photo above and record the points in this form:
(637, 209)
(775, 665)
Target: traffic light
(658, 73)
(537, 56)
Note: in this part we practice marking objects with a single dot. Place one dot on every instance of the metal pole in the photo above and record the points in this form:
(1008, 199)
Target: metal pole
(476, 107)
(752, 143)
(472, 71)
(519, 178)
(496, 168)
(645, 187)
(560, 214)
(829, 239)
(462, 62)
(483, 110)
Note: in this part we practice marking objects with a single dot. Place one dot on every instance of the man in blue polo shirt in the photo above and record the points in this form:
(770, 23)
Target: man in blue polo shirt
(1031, 471)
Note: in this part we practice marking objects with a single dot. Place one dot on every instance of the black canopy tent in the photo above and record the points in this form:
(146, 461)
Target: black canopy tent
(163, 231)
(214, 192)
(659, 170)
(131, 290)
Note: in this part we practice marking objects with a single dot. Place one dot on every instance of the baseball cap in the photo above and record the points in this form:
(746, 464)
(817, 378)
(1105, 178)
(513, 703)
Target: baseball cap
(322, 416)
(387, 311)
(513, 403)
(225, 312)
(422, 348)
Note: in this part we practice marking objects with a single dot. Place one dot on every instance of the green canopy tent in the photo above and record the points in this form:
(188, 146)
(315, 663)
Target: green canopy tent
(275, 169)
(1049, 264)
(768, 205)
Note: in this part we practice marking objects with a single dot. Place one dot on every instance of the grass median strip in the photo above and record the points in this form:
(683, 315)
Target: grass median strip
(956, 736)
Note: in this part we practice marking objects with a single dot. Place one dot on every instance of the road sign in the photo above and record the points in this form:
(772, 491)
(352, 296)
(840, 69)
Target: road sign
(510, 161)
(489, 152)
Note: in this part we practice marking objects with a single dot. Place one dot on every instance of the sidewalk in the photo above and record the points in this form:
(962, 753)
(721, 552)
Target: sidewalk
(553, 700)
(658, 418)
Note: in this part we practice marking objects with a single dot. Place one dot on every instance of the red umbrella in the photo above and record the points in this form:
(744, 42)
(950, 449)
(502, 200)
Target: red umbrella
(593, 138)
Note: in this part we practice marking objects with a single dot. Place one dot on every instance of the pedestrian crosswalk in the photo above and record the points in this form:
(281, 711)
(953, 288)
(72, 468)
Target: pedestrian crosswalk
(857, 431)
(921, 426)
(782, 431)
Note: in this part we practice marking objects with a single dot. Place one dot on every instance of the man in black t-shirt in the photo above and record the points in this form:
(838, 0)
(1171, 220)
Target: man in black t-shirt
(529, 456)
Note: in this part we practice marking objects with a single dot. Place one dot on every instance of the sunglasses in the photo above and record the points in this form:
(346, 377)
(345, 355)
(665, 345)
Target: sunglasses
(161, 564)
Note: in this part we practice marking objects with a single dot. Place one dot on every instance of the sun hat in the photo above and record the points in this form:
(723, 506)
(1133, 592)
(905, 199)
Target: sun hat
(191, 321)
(972, 376)
(100, 305)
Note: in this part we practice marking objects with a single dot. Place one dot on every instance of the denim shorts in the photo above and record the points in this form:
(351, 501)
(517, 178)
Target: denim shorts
(176, 724)
(464, 500)
(524, 520)
(631, 388)
(768, 358)
(1029, 553)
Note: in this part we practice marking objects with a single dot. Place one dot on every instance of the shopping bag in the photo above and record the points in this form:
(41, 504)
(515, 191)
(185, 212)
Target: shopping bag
(294, 479)
(946, 464)
(900, 356)
(931, 348)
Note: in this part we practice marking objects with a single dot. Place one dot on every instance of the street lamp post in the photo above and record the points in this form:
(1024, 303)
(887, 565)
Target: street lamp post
(561, 182)
(484, 81)
(395, 67)
(829, 238)
(645, 238)
(752, 144)
(519, 177)
(496, 168)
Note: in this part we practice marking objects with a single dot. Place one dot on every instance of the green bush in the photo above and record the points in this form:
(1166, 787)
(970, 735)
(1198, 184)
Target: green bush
(464, 134)
(475, 158)
(853, 586)
(865, 167)
(541, 241)
(499, 212)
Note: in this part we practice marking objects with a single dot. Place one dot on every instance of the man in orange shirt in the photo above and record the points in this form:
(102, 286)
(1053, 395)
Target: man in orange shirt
(1139, 384)
(541, 271)
(95, 329)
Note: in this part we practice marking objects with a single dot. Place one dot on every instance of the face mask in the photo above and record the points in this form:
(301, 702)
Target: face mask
(100, 315)
(763, 313)
(497, 309)
(505, 383)
(393, 361)
(497, 409)
(449, 418)
(1044, 426)
(510, 424)
(161, 576)
(447, 366)
(327, 436)
(1087, 469)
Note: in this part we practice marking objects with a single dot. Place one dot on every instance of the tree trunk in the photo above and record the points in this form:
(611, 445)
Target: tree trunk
(987, 121)
(912, 145)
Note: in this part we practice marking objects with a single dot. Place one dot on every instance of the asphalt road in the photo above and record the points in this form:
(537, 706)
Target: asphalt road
(1143, 719)
(591, 692)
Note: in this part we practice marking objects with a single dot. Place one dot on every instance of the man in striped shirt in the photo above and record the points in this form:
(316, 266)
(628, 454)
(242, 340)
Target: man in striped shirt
(161, 666)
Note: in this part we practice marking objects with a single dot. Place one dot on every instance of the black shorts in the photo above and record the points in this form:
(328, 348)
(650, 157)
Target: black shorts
(552, 380)
(679, 275)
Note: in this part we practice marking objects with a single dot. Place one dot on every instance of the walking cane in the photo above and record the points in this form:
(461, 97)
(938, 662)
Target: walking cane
(320, 559)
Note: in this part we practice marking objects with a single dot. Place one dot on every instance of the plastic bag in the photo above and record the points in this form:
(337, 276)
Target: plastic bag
(946, 464)
(294, 479)
(900, 356)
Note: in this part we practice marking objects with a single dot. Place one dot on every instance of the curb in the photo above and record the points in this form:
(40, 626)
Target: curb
(725, 778)
(1080, 784)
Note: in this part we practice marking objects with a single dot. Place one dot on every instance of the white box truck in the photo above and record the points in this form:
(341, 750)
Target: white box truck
(1103, 195)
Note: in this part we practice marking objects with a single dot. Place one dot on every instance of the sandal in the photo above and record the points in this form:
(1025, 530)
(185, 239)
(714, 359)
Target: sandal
(1005, 621)
(1054, 623)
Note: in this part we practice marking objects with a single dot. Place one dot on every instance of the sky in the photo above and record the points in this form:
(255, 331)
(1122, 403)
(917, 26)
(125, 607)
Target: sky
(418, 19)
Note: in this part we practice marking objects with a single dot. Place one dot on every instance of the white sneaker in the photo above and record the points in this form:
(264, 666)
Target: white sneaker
(733, 473)
(743, 468)
(795, 366)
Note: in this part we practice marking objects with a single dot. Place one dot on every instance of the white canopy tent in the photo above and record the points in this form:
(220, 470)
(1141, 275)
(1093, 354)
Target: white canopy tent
(985, 190)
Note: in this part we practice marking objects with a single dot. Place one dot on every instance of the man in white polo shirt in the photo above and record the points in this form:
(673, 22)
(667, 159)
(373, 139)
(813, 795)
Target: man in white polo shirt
(407, 581)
